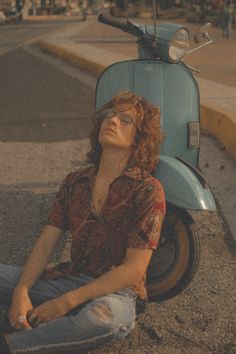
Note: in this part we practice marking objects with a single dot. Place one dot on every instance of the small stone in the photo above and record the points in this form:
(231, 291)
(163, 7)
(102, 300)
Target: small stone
(178, 319)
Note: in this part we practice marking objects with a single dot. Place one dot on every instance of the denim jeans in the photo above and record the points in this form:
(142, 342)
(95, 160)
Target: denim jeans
(96, 322)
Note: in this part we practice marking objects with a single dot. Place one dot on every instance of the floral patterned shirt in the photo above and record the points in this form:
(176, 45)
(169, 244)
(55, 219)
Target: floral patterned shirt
(131, 217)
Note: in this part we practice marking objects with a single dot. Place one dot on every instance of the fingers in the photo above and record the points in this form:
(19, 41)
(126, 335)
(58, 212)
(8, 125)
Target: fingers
(38, 319)
(23, 322)
(20, 323)
(39, 315)
(20, 306)
(27, 322)
(33, 319)
(23, 325)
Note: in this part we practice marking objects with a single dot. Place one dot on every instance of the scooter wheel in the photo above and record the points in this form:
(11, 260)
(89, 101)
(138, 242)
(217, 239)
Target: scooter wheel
(176, 259)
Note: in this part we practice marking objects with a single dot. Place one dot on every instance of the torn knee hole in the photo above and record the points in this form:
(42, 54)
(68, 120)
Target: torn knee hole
(102, 312)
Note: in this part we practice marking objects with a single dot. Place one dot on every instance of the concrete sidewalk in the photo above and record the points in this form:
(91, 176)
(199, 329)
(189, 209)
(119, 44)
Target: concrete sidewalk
(93, 46)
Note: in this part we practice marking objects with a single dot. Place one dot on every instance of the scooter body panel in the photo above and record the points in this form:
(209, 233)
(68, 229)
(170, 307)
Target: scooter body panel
(182, 187)
(172, 87)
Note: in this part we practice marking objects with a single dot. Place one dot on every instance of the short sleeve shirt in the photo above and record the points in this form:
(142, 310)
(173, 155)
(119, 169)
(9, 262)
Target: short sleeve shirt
(131, 217)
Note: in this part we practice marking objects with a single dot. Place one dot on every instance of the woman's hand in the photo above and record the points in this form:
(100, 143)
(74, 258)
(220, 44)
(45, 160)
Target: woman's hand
(49, 310)
(20, 306)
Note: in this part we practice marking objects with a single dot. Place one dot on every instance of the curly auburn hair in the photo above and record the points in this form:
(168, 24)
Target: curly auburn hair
(149, 137)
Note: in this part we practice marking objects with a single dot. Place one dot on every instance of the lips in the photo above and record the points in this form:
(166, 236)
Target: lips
(109, 130)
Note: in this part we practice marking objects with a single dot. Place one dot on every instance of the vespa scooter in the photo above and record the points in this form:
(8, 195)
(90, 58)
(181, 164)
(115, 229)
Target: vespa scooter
(160, 76)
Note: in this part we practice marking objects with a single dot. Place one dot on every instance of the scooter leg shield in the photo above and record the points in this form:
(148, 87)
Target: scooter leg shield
(182, 186)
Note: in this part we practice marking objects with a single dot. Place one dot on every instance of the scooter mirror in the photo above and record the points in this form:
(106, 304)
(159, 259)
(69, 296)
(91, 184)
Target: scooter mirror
(202, 33)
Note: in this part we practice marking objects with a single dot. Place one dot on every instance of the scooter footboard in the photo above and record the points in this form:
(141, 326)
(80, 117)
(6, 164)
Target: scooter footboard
(182, 186)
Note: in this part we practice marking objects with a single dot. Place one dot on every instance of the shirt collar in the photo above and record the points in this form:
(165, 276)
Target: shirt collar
(88, 173)
(132, 172)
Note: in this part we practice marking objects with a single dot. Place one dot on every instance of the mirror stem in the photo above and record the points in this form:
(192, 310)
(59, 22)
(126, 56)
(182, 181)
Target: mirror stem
(192, 68)
(200, 46)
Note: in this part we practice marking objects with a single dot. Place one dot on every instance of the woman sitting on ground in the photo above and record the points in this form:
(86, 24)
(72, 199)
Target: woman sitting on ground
(114, 210)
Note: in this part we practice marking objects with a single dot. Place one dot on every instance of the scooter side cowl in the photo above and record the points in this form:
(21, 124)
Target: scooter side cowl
(182, 187)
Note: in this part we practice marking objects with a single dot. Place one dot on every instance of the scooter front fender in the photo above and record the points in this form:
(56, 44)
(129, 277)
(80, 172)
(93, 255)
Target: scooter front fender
(182, 186)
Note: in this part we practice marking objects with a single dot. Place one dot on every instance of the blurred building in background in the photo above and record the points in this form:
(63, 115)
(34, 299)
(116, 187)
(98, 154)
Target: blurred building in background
(198, 9)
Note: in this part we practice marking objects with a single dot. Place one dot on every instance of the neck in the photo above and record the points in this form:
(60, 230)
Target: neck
(112, 163)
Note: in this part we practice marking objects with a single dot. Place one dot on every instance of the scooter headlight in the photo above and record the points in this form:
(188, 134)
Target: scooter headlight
(179, 44)
(172, 41)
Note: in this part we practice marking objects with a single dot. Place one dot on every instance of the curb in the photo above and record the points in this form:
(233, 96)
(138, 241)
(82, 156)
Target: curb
(220, 124)
(85, 58)
(67, 55)
(214, 120)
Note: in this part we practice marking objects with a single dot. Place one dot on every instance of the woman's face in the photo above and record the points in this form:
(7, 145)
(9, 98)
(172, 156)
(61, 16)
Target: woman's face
(118, 128)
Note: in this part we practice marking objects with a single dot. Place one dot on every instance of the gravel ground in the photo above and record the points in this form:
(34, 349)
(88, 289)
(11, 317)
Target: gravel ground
(199, 320)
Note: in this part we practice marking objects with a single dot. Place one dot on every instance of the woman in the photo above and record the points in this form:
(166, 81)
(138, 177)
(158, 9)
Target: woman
(114, 210)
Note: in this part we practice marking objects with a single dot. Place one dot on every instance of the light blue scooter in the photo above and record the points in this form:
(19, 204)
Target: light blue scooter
(161, 77)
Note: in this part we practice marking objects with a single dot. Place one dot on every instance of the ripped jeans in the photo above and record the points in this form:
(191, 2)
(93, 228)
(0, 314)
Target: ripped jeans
(98, 321)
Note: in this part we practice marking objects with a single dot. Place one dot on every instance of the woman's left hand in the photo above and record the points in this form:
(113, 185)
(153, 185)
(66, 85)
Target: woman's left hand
(49, 310)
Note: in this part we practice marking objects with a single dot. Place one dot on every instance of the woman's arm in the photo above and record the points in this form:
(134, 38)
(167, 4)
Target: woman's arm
(39, 256)
(123, 276)
(21, 304)
(116, 279)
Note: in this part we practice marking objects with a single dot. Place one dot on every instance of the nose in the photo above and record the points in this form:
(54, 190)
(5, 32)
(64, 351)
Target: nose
(114, 120)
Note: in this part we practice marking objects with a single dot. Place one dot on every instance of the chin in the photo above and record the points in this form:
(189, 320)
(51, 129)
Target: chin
(109, 141)
(115, 147)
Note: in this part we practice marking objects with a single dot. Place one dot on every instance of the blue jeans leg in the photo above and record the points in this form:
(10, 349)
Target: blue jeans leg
(42, 290)
(86, 327)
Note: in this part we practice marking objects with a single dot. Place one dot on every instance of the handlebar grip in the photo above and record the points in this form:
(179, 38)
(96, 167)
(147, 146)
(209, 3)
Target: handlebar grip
(126, 26)
(112, 21)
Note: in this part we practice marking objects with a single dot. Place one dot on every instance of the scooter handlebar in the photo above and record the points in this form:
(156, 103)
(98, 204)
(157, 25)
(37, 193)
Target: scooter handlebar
(124, 25)
(112, 21)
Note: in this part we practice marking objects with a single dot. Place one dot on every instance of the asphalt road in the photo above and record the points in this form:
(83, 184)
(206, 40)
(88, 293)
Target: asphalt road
(35, 95)
(44, 119)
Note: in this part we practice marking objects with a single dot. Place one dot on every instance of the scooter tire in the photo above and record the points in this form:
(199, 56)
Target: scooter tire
(175, 261)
